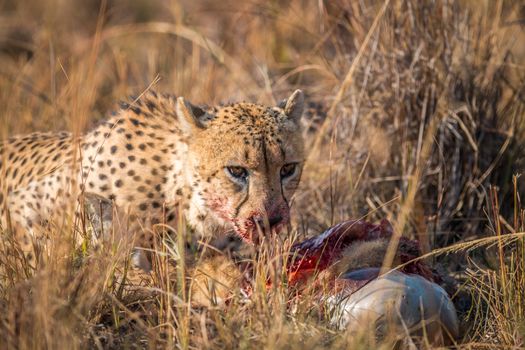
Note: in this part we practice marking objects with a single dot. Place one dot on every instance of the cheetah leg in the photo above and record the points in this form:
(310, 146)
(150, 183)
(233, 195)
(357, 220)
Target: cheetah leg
(106, 219)
(22, 218)
(148, 239)
(27, 207)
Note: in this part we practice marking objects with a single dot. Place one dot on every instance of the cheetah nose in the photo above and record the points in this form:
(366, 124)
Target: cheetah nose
(273, 221)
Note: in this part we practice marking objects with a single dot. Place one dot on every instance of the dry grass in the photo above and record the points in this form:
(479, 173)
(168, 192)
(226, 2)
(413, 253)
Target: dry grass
(416, 110)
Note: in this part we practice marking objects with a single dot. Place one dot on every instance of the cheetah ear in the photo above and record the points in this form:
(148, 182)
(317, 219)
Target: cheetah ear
(192, 118)
(293, 106)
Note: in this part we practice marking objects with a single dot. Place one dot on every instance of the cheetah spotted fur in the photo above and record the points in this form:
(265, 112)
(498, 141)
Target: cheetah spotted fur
(227, 168)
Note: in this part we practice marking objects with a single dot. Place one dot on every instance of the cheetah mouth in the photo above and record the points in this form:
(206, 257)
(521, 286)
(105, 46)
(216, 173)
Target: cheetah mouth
(254, 234)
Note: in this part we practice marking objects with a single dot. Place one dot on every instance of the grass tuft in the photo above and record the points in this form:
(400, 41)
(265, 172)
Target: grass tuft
(416, 113)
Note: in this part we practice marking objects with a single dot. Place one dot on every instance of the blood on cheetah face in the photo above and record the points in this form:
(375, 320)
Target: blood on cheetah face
(245, 162)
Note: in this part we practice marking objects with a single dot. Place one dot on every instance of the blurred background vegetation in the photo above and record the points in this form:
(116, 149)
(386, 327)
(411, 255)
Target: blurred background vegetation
(415, 108)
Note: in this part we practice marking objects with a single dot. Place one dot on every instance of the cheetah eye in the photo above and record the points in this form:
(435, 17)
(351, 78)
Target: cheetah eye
(288, 170)
(237, 172)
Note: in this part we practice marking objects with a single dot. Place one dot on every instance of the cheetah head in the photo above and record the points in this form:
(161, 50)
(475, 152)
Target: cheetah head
(244, 162)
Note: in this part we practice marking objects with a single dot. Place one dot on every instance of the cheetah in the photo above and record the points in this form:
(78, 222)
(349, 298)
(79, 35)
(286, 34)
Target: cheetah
(229, 168)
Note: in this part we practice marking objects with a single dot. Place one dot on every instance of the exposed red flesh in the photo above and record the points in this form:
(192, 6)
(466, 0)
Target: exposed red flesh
(318, 253)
